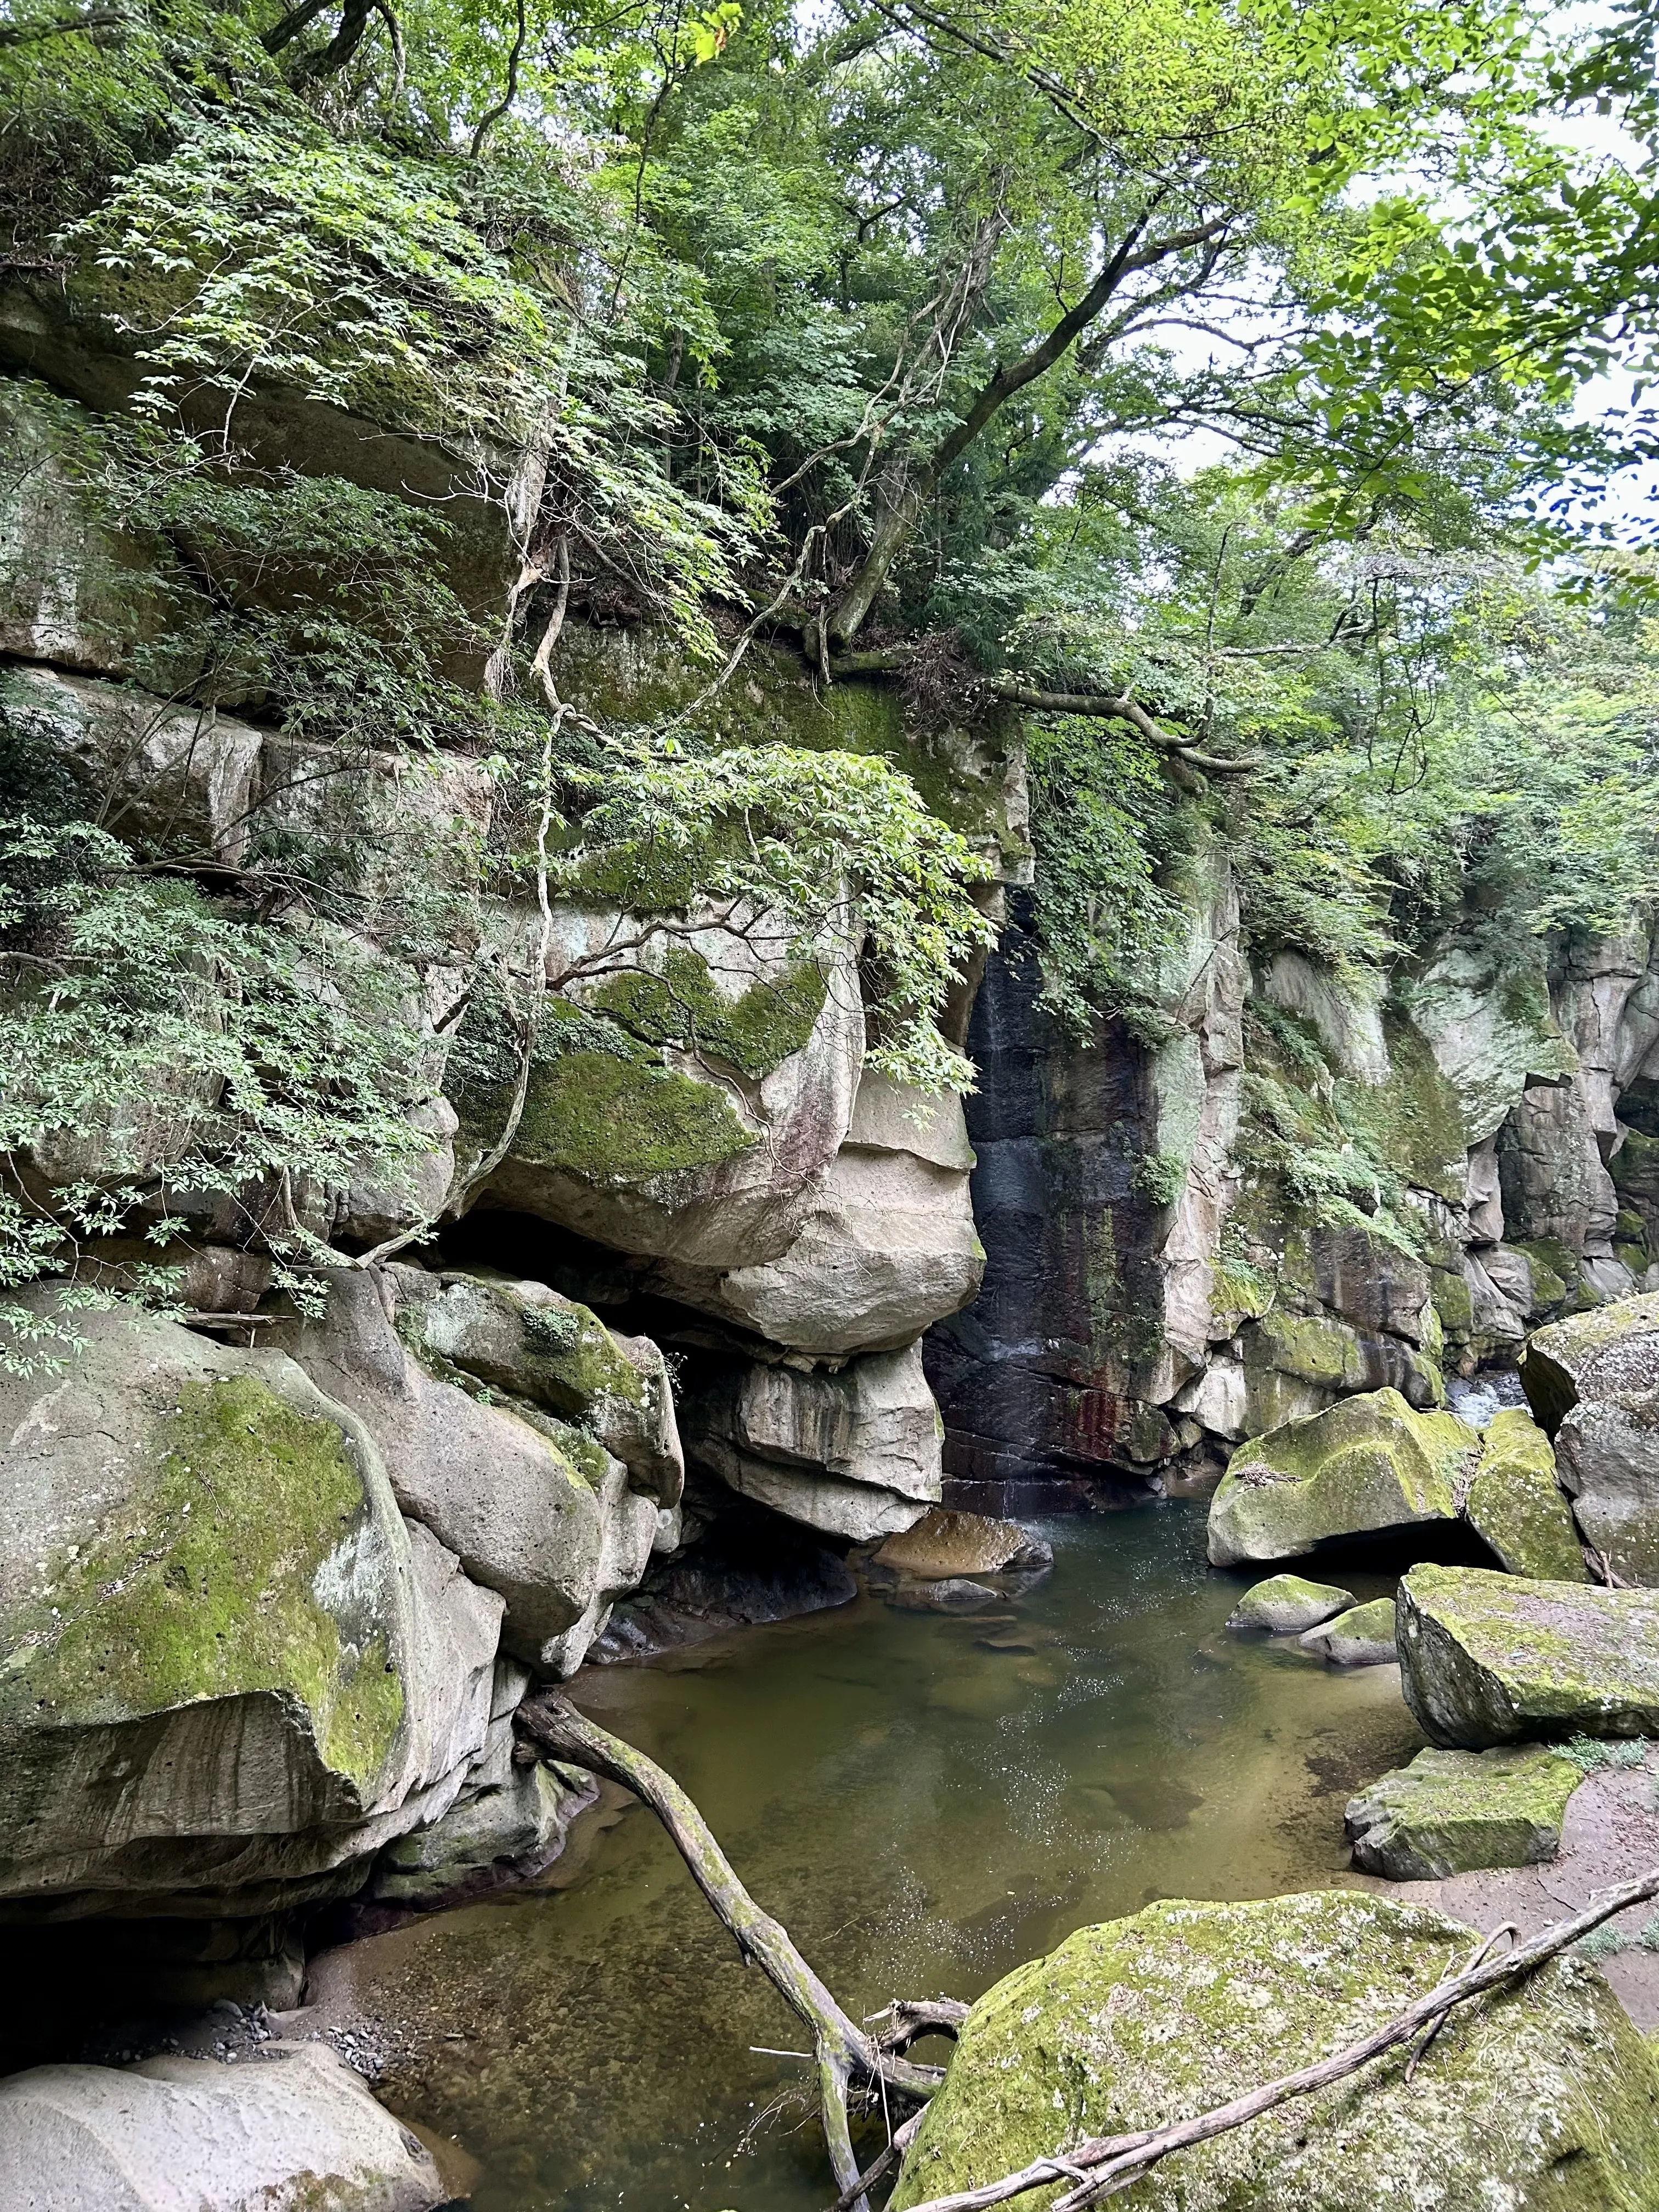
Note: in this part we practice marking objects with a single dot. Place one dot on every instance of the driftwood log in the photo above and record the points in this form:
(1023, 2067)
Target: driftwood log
(846, 2053)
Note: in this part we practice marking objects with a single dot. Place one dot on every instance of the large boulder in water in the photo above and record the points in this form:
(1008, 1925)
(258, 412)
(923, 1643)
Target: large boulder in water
(233, 1672)
(1594, 1382)
(1366, 1464)
(292, 2130)
(1541, 2094)
(1488, 1659)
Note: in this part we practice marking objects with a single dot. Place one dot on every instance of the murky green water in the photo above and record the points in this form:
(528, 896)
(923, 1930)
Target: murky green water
(923, 1812)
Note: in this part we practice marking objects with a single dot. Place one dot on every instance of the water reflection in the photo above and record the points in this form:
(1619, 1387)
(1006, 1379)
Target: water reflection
(925, 1801)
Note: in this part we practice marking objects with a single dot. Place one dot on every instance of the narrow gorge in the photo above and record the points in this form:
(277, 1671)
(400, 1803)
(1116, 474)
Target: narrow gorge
(829, 1004)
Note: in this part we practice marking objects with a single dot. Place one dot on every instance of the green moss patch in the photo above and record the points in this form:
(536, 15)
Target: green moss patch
(236, 1566)
(615, 1121)
(1541, 2094)
(753, 1033)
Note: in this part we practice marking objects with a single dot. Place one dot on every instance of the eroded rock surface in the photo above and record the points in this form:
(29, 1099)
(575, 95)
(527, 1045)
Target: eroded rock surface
(1594, 1382)
(1362, 1636)
(234, 1671)
(1542, 2094)
(855, 1452)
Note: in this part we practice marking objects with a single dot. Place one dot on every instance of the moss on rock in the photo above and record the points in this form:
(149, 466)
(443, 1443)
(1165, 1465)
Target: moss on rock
(753, 1033)
(1515, 1504)
(1488, 1658)
(1543, 2094)
(1369, 1464)
(619, 1122)
(1362, 1637)
(1452, 1812)
(229, 1569)
(1285, 1605)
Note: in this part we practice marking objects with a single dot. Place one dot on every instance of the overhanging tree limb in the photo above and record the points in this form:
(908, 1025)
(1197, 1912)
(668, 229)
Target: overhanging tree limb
(1099, 706)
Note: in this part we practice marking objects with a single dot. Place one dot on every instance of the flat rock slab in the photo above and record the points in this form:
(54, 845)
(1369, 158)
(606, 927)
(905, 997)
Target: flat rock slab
(943, 1545)
(1453, 1812)
(955, 1594)
(293, 2130)
(1488, 1658)
(1285, 1605)
(1363, 1637)
(1610, 1834)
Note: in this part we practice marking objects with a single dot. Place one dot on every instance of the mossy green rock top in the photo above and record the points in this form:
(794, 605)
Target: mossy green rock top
(1487, 1658)
(1368, 1464)
(1286, 1604)
(1542, 2096)
(1451, 1811)
(1515, 1504)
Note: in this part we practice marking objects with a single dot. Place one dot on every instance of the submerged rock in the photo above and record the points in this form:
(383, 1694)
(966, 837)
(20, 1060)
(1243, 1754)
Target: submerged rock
(291, 2129)
(1451, 1811)
(944, 1544)
(957, 1595)
(1516, 1506)
(1361, 1637)
(1594, 1382)
(1489, 1659)
(233, 1671)
(1541, 2094)
(1369, 1463)
(1285, 1605)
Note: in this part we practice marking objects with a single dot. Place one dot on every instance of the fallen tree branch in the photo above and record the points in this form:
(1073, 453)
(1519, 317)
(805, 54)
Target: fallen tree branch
(844, 2052)
(1105, 2164)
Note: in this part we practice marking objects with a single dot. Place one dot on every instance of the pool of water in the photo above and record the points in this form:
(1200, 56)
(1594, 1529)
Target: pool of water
(925, 1801)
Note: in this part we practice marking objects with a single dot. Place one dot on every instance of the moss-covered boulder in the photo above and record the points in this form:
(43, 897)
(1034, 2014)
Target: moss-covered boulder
(1516, 1506)
(1583, 1357)
(534, 1506)
(1451, 1811)
(1594, 1382)
(1541, 2095)
(1488, 1659)
(1285, 1605)
(1366, 1464)
(1362, 1636)
(526, 1341)
(230, 1671)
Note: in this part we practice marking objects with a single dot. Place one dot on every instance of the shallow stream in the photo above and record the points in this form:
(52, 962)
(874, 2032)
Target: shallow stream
(925, 1801)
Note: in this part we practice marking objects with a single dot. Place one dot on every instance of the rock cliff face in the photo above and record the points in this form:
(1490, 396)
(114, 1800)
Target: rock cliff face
(273, 1579)
(1285, 1192)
